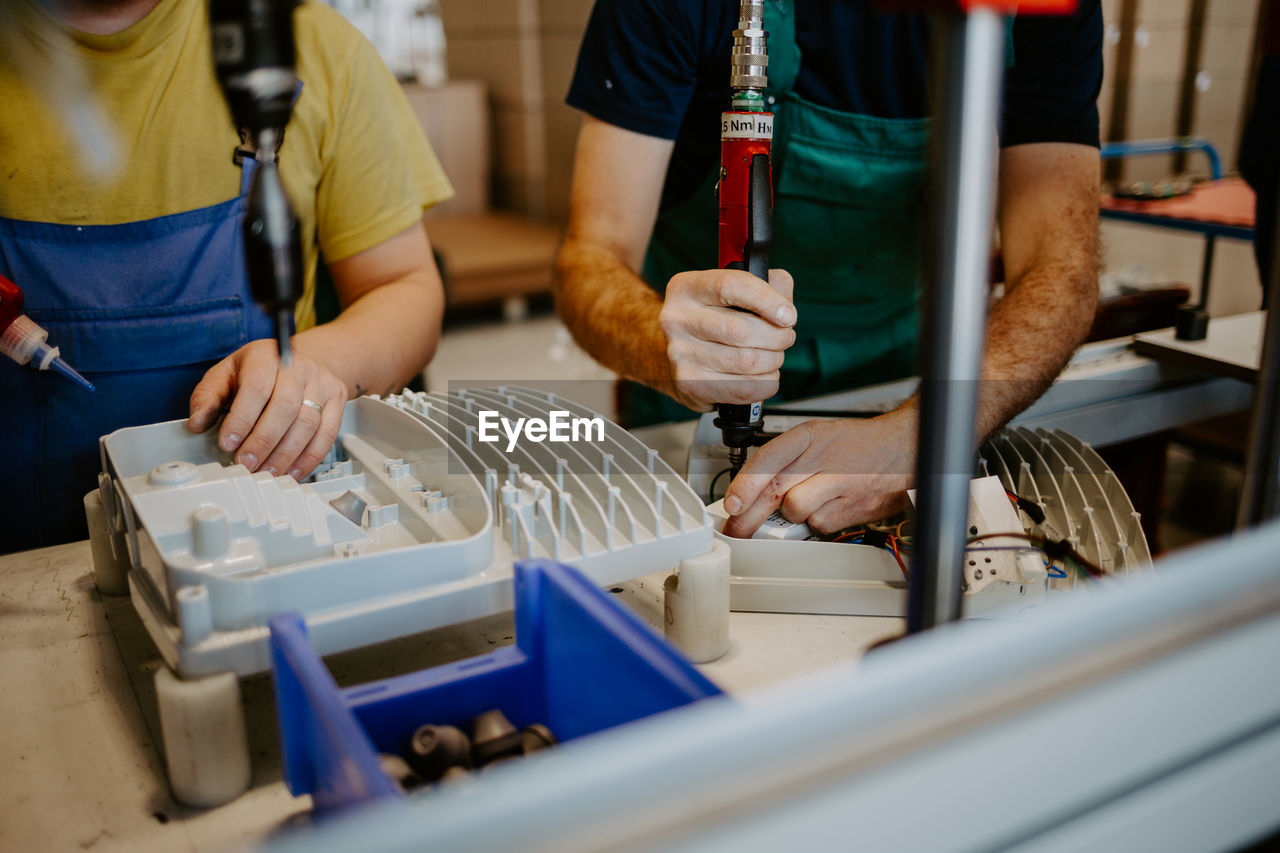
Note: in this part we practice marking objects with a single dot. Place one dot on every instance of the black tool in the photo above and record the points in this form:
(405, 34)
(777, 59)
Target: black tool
(253, 54)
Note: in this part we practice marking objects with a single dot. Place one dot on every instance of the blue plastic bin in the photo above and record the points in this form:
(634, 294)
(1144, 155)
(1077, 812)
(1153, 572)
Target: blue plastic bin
(582, 662)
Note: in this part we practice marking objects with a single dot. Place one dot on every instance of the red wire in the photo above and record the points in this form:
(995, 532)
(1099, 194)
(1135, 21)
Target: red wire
(893, 541)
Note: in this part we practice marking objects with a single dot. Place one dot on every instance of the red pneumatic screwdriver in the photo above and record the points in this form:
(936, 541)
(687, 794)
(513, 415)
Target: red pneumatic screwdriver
(24, 341)
(745, 194)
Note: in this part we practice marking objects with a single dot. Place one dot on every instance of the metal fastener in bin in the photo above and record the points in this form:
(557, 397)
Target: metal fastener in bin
(434, 749)
(582, 662)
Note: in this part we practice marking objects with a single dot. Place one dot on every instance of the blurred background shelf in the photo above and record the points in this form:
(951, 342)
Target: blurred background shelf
(492, 256)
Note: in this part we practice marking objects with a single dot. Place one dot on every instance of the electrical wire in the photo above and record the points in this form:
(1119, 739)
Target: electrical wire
(897, 544)
(1031, 508)
(821, 413)
(890, 543)
(1054, 571)
(1074, 559)
(711, 490)
(1052, 549)
(893, 541)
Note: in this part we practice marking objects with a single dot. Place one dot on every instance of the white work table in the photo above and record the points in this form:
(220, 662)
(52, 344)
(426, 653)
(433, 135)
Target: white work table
(79, 734)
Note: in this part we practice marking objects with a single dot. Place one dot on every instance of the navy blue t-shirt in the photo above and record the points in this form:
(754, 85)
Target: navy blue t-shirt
(661, 68)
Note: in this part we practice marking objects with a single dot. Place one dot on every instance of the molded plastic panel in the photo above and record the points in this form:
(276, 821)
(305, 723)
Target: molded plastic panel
(411, 523)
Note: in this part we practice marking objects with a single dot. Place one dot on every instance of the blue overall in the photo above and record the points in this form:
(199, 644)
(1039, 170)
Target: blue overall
(142, 309)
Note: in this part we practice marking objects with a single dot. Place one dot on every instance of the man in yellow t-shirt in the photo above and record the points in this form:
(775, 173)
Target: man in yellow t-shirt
(139, 277)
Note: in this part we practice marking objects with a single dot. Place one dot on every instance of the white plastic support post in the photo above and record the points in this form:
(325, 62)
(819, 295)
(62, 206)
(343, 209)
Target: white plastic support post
(210, 532)
(205, 743)
(110, 573)
(696, 611)
(195, 616)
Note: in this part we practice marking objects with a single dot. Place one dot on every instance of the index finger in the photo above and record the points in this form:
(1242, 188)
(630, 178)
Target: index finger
(273, 421)
(210, 393)
(781, 281)
(738, 289)
(255, 383)
(769, 474)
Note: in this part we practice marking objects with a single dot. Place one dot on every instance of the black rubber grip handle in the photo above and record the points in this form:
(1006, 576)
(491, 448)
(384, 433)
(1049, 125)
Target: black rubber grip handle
(760, 218)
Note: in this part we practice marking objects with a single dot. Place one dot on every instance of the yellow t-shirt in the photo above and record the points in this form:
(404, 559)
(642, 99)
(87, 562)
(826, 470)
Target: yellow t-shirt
(355, 162)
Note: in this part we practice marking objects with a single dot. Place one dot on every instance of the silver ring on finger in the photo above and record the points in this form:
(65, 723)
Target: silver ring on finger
(307, 401)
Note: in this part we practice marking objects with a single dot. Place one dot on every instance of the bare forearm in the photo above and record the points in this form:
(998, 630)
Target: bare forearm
(608, 308)
(612, 313)
(1049, 238)
(1032, 332)
(381, 340)
(1049, 230)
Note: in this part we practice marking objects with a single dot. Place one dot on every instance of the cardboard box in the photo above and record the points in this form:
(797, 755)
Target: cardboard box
(491, 256)
(456, 119)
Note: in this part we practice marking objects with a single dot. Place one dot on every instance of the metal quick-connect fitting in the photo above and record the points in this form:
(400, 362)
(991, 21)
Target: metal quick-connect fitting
(750, 51)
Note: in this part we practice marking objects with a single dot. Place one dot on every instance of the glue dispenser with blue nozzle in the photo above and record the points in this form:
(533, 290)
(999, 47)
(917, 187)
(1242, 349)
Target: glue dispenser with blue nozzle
(24, 341)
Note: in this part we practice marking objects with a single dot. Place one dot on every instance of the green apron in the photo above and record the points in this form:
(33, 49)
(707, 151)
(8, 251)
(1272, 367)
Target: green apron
(848, 219)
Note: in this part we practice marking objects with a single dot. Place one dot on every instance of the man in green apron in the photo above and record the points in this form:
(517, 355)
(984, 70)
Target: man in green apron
(636, 277)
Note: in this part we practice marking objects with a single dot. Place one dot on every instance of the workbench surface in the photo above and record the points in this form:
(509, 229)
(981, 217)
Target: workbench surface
(79, 734)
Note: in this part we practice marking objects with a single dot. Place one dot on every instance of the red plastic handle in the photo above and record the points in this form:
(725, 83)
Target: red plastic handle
(735, 186)
(10, 302)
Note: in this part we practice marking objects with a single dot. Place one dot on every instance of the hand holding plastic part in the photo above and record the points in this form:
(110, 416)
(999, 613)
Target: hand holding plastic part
(829, 474)
(273, 423)
(24, 341)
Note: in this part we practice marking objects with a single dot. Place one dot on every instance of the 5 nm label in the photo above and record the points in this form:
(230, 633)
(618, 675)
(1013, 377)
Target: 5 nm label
(746, 126)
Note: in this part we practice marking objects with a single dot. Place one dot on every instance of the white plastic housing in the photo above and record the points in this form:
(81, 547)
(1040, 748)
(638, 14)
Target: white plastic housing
(410, 524)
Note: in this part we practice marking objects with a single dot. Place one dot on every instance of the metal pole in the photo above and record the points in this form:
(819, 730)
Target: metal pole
(970, 61)
(1260, 498)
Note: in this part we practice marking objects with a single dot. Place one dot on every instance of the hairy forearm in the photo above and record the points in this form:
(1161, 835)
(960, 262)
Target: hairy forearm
(1049, 231)
(1034, 329)
(1030, 336)
(381, 340)
(612, 313)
